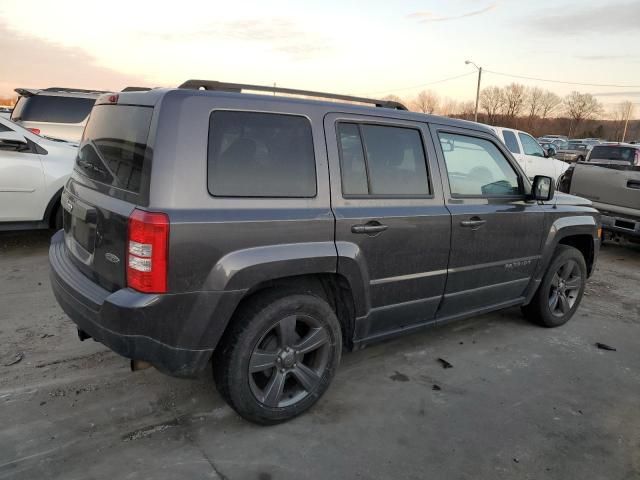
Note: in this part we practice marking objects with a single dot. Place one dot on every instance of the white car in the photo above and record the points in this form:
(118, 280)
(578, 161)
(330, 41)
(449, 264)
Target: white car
(33, 171)
(55, 112)
(529, 154)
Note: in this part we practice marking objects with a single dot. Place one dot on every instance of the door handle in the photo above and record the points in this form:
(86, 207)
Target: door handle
(370, 228)
(474, 223)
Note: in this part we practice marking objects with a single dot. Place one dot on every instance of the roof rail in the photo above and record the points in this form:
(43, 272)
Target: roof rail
(239, 87)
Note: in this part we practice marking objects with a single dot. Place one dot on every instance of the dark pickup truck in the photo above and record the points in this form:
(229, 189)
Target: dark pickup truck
(265, 234)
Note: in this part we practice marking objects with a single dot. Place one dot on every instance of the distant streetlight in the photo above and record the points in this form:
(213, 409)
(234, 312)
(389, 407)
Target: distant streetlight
(469, 62)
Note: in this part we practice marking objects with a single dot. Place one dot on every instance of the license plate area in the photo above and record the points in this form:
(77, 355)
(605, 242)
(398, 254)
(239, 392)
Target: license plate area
(80, 222)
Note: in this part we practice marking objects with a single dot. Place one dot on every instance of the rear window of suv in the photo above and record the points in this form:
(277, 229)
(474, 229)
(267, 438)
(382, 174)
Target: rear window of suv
(54, 109)
(254, 154)
(113, 150)
(623, 154)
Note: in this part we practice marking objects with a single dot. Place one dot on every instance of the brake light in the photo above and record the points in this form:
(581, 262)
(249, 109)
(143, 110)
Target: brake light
(147, 251)
(34, 130)
(636, 158)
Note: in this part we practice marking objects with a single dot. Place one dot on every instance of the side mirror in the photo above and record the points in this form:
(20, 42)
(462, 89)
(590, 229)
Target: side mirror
(551, 152)
(543, 188)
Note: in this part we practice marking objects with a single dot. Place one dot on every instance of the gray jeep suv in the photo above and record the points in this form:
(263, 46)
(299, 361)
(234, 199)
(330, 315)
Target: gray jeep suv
(266, 234)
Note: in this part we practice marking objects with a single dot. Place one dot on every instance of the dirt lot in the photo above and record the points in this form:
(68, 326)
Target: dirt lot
(519, 402)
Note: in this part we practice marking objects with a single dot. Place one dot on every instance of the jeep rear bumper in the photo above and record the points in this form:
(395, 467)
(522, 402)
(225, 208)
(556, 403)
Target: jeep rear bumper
(176, 333)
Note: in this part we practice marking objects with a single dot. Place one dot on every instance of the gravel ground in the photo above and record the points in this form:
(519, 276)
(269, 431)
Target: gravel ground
(520, 401)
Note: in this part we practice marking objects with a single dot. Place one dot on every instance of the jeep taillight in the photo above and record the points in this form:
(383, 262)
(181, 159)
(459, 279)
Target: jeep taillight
(147, 251)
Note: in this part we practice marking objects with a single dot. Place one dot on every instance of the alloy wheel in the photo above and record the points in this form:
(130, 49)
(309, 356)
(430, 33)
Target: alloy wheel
(565, 288)
(289, 361)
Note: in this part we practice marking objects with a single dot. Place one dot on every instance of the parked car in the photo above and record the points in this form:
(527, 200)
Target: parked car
(55, 112)
(589, 142)
(33, 170)
(611, 178)
(266, 233)
(549, 148)
(528, 152)
(576, 151)
(5, 111)
(562, 137)
(557, 142)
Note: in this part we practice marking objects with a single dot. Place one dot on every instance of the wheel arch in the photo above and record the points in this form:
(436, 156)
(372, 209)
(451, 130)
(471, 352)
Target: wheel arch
(579, 231)
(331, 287)
(52, 206)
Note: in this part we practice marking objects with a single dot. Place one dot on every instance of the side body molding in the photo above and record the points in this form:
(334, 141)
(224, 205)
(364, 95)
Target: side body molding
(561, 228)
(243, 269)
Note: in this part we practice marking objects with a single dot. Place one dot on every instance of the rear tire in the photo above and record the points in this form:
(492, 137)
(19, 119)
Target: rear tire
(278, 356)
(561, 290)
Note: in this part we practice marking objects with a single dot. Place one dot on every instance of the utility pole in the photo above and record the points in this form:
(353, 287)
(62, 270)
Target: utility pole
(626, 122)
(467, 62)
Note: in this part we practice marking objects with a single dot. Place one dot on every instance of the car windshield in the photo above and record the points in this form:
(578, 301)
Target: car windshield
(576, 146)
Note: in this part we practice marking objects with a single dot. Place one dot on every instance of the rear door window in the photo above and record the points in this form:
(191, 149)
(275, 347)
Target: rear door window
(54, 109)
(382, 160)
(511, 141)
(614, 153)
(254, 154)
(113, 149)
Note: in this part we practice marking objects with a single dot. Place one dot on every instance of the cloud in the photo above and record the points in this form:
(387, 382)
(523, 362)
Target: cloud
(426, 17)
(28, 61)
(610, 19)
(277, 34)
(605, 57)
(627, 93)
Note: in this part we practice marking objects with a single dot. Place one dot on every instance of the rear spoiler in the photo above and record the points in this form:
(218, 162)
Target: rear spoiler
(26, 92)
(30, 92)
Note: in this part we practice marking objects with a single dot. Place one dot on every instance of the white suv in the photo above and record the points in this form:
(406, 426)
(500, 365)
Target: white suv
(529, 154)
(55, 112)
(33, 171)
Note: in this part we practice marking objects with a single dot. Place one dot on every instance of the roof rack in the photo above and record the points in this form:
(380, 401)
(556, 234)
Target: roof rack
(239, 87)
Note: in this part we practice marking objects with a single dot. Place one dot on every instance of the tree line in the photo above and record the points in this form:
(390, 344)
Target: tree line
(535, 110)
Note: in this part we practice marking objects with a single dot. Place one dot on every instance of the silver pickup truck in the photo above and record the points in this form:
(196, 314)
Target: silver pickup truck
(610, 178)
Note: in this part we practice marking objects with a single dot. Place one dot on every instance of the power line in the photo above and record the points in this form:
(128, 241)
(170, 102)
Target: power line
(422, 85)
(611, 85)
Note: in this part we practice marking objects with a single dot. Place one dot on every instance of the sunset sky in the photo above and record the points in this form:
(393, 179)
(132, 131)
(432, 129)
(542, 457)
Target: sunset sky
(367, 48)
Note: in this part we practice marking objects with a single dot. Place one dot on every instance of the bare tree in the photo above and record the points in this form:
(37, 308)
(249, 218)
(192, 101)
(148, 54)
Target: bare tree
(514, 97)
(549, 102)
(426, 101)
(579, 107)
(492, 100)
(533, 102)
(467, 109)
(620, 116)
(448, 107)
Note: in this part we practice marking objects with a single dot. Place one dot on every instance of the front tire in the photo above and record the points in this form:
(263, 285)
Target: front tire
(561, 290)
(278, 356)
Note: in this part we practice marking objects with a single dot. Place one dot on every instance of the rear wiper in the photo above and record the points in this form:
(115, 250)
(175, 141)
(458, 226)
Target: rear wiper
(113, 175)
